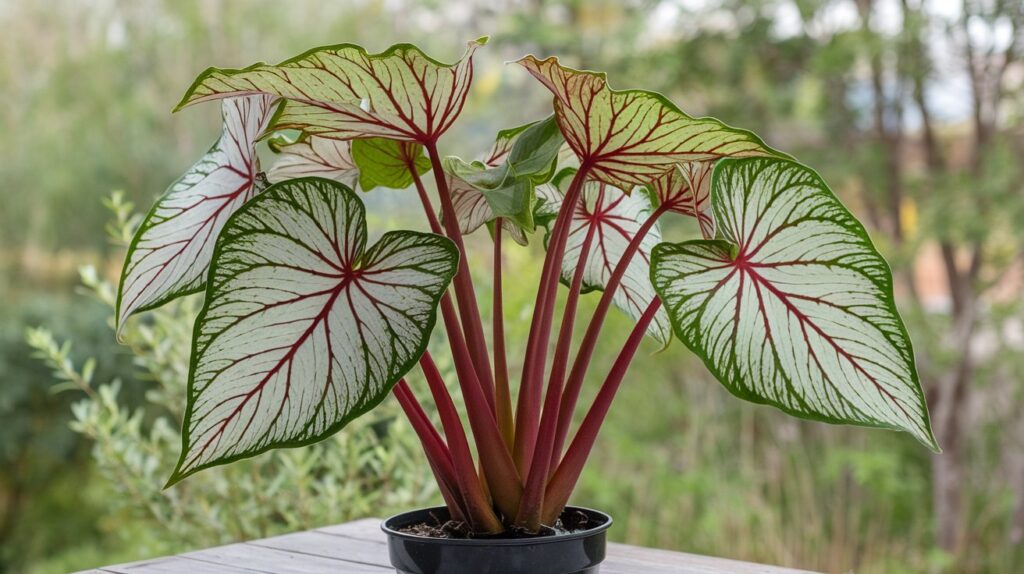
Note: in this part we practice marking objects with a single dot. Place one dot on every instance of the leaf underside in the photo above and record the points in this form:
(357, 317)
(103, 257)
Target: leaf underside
(171, 251)
(687, 190)
(304, 328)
(313, 156)
(631, 137)
(343, 92)
(795, 307)
(386, 163)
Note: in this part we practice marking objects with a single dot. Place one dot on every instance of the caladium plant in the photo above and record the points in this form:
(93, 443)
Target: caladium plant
(307, 325)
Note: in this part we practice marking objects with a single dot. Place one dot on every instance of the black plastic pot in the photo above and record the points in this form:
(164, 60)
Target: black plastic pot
(579, 552)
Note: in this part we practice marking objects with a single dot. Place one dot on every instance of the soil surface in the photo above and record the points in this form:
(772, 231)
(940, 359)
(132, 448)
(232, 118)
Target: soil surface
(440, 527)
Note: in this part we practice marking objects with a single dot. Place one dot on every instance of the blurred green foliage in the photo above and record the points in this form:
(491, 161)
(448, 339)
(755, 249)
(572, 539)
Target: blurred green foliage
(87, 89)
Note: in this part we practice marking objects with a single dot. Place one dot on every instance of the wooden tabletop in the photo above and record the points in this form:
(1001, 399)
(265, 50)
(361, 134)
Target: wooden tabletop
(359, 548)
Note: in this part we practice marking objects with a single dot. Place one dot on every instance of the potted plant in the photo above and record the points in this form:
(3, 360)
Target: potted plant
(306, 325)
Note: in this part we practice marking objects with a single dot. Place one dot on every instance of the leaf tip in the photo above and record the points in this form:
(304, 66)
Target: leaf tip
(176, 477)
(929, 441)
(481, 41)
(530, 60)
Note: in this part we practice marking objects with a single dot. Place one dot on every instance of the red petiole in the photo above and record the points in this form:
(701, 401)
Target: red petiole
(528, 445)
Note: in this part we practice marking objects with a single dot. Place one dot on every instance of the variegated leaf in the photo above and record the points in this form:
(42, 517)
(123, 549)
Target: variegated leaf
(313, 156)
(171, 251)
(795, 308)
(616, 219)
(304, 328)
(343, 92)
(632, 137)
(687, 190)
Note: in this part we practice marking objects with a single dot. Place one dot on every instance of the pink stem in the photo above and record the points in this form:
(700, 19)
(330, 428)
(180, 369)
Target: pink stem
(563, 481)
(465, 296)
(435, 450)
(500, 472)
(529, 406)
(502, 393)
(533, 494)
(481, 514)
(586, 351)
(502, 478)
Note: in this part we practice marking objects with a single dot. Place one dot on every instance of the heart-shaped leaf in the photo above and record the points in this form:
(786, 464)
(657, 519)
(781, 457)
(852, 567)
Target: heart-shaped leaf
(631, 137)
(313, 156)
(616, 219)
(343, 92)
(687, 190)
(388, 163)
(171, 251)
(795, 309)
(303, 328)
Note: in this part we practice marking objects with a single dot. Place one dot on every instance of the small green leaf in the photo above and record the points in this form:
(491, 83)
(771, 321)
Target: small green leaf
(521, 159)
(534, 151)
(387, 163)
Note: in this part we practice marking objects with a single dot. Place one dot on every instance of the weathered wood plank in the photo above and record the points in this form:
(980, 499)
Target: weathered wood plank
(178, 565)
(281, 561)
(358, 547)
(315, 543)
(696, 563)
(366, 529)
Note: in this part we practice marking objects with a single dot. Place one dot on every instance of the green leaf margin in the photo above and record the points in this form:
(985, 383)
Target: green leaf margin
(666, 249)
(279, 191)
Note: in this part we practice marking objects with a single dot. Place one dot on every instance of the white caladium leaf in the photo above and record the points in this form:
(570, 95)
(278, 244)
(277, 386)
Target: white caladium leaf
(343, 92)
(616, 219)
(313, 156)
(304, 328)
(687, 190)
(171, 251)
(631, 137)
(795, 308)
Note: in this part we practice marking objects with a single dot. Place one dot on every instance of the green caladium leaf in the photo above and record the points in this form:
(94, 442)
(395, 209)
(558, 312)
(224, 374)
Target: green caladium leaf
(503, 185)
(475, 209)
(312, 156)
(503, 144)
(632, 137)
(616, 218)
(793, 306)
(687, 190)
(343, 92)
(534, 151)
(387, 163)
(304, 328)
(170, 253)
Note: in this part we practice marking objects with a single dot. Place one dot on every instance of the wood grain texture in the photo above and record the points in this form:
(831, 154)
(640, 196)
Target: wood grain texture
(358, 547)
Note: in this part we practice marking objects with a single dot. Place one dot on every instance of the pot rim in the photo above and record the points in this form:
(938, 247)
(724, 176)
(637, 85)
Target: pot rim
(580, 534)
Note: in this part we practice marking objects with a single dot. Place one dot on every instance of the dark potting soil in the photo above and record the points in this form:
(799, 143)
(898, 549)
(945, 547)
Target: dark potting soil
(569, 522)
